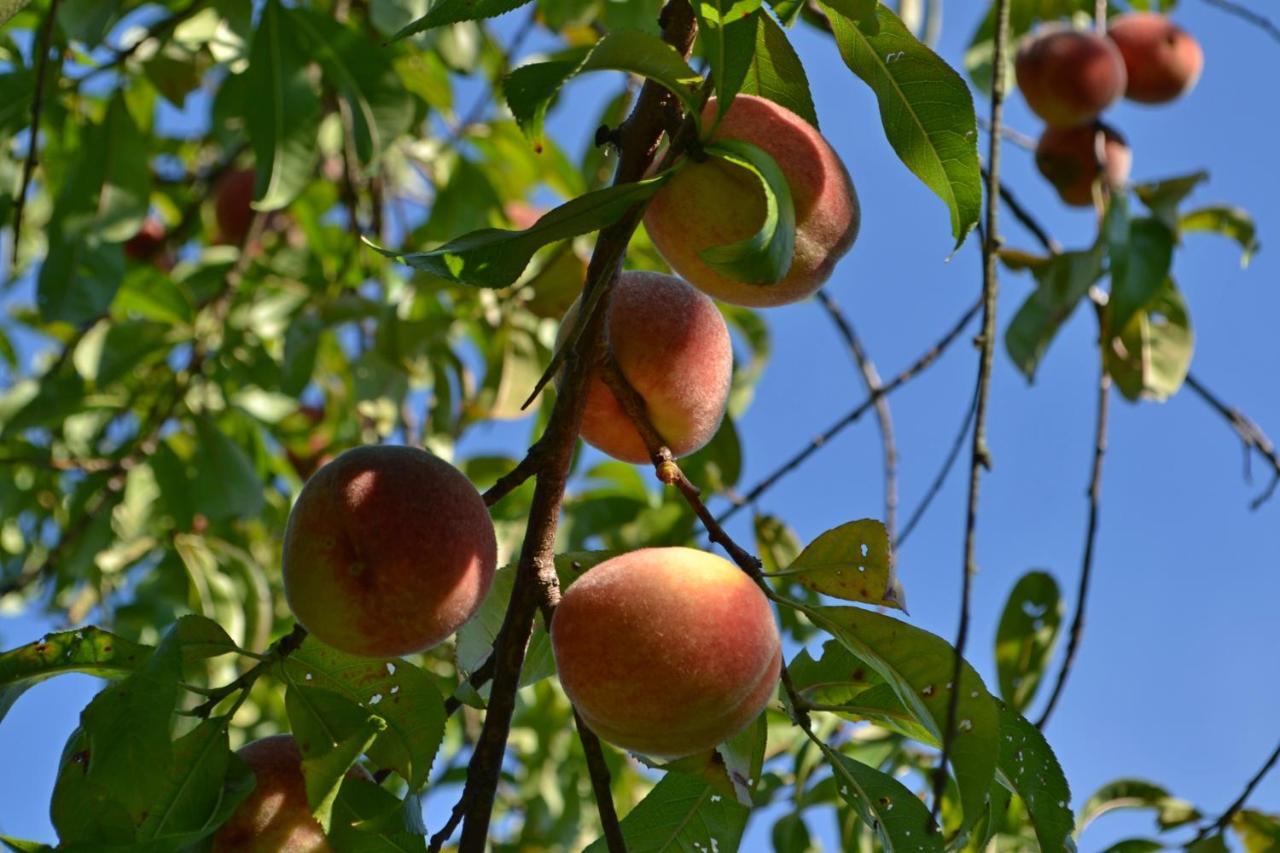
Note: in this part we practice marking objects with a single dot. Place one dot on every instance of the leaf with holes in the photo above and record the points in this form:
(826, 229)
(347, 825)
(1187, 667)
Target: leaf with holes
(852, 562)
(332, 732)
(91, 651)
(682, 814)
(899, 817)
(1029, 768)
(1027, 636)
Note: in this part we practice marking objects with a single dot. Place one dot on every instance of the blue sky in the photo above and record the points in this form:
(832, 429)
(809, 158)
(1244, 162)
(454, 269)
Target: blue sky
(1176, 680)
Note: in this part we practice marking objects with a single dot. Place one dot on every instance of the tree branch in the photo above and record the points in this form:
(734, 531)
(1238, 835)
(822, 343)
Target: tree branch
(1244, 13)
(914, 369)
(1234, 809)
(884, 418)
(1090, 539)
(1251, 435)
(33, 142)
(979, 456)
(280, 650)
(535, 579)
(936, 486)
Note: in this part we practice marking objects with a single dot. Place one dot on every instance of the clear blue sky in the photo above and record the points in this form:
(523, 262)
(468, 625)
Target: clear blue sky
(1176, 680)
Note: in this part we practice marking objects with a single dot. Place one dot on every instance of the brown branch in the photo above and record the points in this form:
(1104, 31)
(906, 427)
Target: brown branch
(1244, 13)
(598, 771)
(979, 456)
(936, 486)
(514, 478)
(1090, 539)
(640, 137)
(871, 379)
(280, 650)
(1251, 435)
(33, 143)
(1233, 809)
(912, 371)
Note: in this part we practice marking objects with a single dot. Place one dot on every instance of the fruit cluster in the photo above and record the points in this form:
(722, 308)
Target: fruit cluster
(663, 651)
(1069, 77)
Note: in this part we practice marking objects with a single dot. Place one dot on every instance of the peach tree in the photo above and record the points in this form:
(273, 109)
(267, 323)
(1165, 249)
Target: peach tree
(285, 256)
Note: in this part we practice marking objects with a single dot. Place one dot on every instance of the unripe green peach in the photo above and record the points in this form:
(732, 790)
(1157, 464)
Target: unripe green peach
(388, 551)
(1163, 60)
(275, 817)
(666, 651)
(672, 345)
(1068, 158)
(1069, 77)
(713, 203)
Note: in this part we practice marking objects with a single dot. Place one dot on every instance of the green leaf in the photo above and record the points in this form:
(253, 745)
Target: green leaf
(791, 835)
(1141, 257)
(493, 257)
(1136, 845)
(775, 70)
(919, 667)
(718, 465)
(1163, 197)
(17, 844)
(332, 733)
(1150, 358)
(225, 477)
(899, 817)
(764, 257)
(91, 651)
(1029, 768)
(205, 785)
(1259, 832)
(202, 638)
(452, 11)
(380, 108)
(833, 678)
(925, 106)
(530, 88)
(9, 8)
(852, 562)
(281, 109)
(1061, 282)
(682, 814)
(1170, 811)
(726, 30)
(399, 692)
(369, 819)
(1027, 636)
(1231, 222)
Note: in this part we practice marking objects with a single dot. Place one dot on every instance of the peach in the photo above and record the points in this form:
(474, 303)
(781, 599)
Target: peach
(1068, 158)
(275, 817)
(666, 651)
(1162, 60)
(233, 205)
(148, 245)
(713, 203)
(559, 281)
(672, 345)
(1069, 77)
(388, 550)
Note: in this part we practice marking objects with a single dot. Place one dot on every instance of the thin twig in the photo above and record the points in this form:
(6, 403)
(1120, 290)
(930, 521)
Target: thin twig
(912, 371)
(514, 478)
(1090, 539)
(943, 473)
(1025, 219)
(33, 142)
(280, 650)
(1243, 12)
(884, 418)
(1251, 435)
(979, 456)
(1234, 809)
(598, 771)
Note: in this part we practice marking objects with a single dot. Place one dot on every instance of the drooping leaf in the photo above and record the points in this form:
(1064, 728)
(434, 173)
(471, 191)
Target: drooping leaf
(899, 817)
(1027, 636)
(1151, 356)
(1029, 768)
(1170, 811)
(90, 650)
(530, 88)
(282, 109)
(775, 70)
(493, 257)
(764, 257)
(1231, 222)
(919, 667)
(1061, 282)
(925, 106)
(1141, 253)
(1162, 198)
(682, 815)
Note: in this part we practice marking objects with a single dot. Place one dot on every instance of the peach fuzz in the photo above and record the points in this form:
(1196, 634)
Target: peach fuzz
(666, 651)
(1163, 60)
(1068, 158)
(388, 551)
(275, 817)
(1069, 77)
(714, 203)
(672, 345)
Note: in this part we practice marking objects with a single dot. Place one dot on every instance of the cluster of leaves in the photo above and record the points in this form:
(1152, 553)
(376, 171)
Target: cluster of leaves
(153, 458)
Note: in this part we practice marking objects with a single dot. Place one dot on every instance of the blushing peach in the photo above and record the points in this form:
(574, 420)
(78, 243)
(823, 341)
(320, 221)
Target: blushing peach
(1069, 77)
(714, 203)
(666, 651)
(1163, 61)
(1068, 158)
(388, 551)
(275, 817)
(672, 345)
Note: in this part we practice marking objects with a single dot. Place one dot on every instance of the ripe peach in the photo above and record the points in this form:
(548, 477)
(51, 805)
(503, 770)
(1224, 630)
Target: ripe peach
(147, 246)
(233, 205)
(1068, 158)
(1069, 76)
(1162, 59)
(275, 817)
(672, 345)
(387, 551)
(666, 651)
(713, 203)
